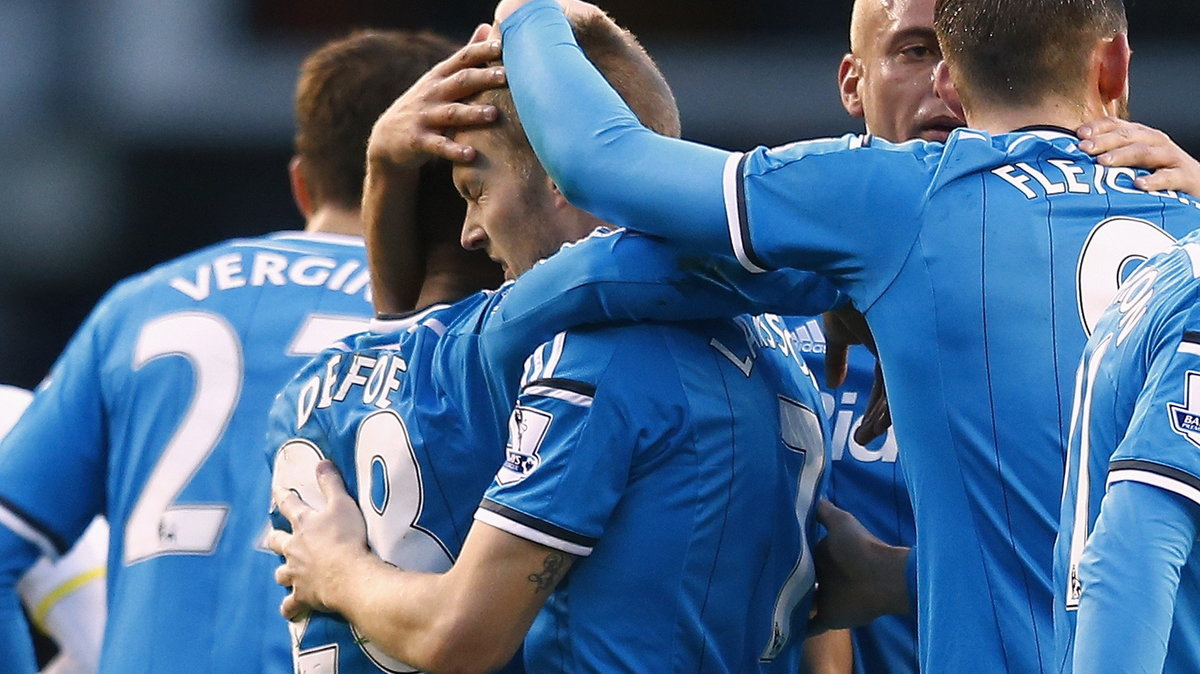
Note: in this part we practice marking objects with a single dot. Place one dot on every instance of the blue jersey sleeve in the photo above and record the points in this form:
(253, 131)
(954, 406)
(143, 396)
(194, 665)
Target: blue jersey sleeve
(1161, 447)
(848, 208)
(618, 275)
(573, 438)
(61, 439)
(16, 556)
(1124, 626)
(801, 206)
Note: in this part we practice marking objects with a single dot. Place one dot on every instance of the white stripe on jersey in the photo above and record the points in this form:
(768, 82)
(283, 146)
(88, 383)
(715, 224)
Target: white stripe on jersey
(530, 534)
(556, 350)
(730, 189)
(1190, 348)
(21, 528)
(544, 360)
(561, 394)
(1155, 480)
(381, 326)
(1193, 253)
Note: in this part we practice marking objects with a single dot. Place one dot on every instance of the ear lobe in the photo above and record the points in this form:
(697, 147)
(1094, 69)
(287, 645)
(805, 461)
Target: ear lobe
(849, 75)
(300, 192)
(943, 85)
(1114, 58)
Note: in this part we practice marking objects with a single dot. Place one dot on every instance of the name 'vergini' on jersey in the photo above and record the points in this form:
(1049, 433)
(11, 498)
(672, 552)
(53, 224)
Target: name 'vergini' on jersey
(153, 417)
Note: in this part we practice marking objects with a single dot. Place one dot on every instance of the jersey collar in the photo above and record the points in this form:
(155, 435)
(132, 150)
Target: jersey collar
(385, 323)
(1047, 131)
(341, 239)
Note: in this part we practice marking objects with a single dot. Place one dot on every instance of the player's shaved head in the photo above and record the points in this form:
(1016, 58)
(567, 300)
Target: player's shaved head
(622, 61)
(887, 78)
(865, 21)
(1018, 52)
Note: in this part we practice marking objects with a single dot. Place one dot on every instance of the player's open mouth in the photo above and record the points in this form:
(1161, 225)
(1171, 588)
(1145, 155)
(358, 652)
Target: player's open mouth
(938, 129)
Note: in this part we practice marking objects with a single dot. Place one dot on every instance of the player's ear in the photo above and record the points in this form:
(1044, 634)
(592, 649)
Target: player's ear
(1112, 62)
(299, 181)
(946, 90)
(849, 76)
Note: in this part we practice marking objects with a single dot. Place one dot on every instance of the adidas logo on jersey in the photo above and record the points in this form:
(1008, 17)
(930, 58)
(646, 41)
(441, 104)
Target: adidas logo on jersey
(810, 338)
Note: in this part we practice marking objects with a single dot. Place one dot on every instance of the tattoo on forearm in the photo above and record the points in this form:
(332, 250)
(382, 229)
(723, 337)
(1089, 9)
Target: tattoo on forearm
(552, 569)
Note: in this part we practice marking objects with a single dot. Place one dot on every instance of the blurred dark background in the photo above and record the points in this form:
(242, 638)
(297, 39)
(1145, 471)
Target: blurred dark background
(132, 131)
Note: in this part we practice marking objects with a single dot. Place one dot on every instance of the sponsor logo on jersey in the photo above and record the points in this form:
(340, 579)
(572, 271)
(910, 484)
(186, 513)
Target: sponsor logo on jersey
(810, 338)
(526, 430)
(1185, 418)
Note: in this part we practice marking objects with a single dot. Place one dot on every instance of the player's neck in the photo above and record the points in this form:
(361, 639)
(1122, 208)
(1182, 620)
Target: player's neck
(1053, 112)
(335, 220)
(452, 273)
(444, 289)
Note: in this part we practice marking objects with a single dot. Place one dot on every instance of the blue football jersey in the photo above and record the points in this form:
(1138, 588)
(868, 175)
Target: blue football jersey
(866, 481)
(404, 413)
(980, 265)
(1136, 418)
(680, 464)
(154, 417)
(981, 278)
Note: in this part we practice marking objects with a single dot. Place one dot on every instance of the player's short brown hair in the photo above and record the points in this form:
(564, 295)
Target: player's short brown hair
(622, 61)
(1016, 52)
(343, 88)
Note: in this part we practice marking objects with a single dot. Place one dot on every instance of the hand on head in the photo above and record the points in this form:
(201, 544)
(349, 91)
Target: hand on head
(417, 124)
(1117, 142)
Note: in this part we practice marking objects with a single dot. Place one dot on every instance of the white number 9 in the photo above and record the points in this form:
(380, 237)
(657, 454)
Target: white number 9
(1105, 259)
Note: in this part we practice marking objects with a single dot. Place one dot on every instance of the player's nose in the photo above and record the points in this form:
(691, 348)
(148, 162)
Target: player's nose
(472, 237)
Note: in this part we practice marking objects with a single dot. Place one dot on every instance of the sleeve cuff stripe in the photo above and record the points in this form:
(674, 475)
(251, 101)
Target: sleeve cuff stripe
(530, 534)
(531, 522)
(1191, 337)
(25, 527)
(1156, 478)
(569, 390)
(735, 213)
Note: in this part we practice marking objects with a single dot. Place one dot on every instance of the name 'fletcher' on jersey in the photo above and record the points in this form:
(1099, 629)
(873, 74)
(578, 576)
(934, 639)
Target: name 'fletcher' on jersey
(1073, 176)
(234, 270)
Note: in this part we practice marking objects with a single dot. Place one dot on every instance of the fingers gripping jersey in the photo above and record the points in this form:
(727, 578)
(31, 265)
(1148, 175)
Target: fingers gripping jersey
(680, 464)
(1136, 419)
(403, 412)
(154, 416)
